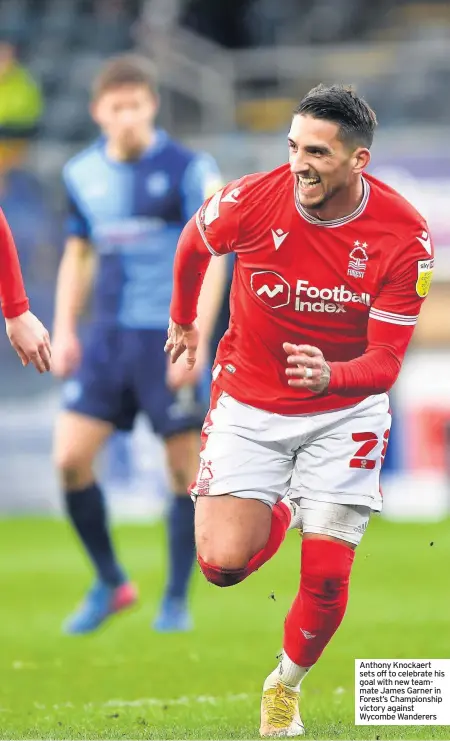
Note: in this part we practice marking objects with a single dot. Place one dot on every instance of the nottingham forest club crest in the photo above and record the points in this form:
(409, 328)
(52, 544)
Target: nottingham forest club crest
(358, 260)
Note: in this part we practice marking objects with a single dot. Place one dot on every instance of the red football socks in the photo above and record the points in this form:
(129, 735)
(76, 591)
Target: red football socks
(319, 607)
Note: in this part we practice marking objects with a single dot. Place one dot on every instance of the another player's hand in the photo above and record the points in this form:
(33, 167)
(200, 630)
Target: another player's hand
(307, 368)
(30, 340)
(178, 373)
(180, 338)
(66, 353)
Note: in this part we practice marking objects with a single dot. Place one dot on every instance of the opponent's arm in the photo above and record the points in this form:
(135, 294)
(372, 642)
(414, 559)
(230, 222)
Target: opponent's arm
(27, 335)
(73, 286)
(392, 318)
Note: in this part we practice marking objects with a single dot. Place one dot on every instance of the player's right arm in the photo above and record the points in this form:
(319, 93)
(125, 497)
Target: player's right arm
(212, 231)
(73, 286)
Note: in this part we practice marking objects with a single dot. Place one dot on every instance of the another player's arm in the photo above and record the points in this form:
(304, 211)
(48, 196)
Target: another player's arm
(391, 323)
(211, 297)
(73, 285)
(27, 335)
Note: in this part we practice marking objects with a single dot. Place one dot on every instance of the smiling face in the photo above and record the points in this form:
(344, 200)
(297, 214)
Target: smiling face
(324, 164)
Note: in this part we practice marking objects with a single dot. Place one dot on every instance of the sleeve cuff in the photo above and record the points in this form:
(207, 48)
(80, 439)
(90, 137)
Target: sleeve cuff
(15, 309)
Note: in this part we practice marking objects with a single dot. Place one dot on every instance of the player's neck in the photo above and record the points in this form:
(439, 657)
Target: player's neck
(342, 204)
(119, 153)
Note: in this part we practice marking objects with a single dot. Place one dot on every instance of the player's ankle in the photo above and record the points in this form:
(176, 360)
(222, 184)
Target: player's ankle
(287, 673)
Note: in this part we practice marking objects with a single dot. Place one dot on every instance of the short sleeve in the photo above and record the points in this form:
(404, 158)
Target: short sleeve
(201, 180)
(407, 283)
(76, 223)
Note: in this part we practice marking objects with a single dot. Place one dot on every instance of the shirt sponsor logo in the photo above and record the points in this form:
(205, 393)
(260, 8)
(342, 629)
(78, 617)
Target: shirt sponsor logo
(271, 288)
(326, 300)
(274, 291)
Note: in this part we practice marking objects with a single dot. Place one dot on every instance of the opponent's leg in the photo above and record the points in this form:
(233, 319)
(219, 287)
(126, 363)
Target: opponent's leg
(78, 439)
(182, 459)
(317, 610)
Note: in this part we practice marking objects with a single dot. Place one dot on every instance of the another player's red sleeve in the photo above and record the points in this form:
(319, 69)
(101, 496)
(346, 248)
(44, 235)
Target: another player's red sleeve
(392, 318)
(13, 298)
(212, 231)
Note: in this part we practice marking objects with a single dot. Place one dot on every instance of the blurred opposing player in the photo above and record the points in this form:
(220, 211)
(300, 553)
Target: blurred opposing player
(26, 333)
(130, 195)
(332, 267)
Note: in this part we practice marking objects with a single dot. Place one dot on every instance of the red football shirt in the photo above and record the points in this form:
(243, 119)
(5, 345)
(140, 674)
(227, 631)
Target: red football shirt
(13, 298)
(351, 287)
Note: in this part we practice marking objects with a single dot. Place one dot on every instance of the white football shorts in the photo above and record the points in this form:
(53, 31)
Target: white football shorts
(333, 457)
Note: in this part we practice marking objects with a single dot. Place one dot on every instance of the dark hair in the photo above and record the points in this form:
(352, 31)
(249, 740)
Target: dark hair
(125, 69)
(340, 104)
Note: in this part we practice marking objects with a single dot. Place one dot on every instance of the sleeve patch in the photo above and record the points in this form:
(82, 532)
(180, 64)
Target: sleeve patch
(424, 276)
(211, 212)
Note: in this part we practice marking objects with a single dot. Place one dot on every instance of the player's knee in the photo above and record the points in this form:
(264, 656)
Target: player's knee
(222, 576)
(74, 470)
(181, 480)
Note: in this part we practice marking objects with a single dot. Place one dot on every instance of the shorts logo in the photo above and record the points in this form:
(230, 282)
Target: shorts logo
(204, 477)
(424, 276)
(358, 260)
(271, 288)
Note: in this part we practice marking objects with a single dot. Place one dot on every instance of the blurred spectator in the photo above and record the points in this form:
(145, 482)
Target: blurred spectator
(20, 97)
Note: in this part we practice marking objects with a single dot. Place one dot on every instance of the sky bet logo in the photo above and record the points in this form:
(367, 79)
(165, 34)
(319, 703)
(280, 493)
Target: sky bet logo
(274, 291)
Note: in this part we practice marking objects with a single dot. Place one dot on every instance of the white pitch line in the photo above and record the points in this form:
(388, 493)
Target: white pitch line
(185, 700)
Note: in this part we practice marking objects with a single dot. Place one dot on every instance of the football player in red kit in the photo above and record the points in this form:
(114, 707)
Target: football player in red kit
(26, 334)
(332, 267)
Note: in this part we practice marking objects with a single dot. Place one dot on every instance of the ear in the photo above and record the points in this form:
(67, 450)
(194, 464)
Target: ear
(93, 110)
(360, 160)
(156, 103)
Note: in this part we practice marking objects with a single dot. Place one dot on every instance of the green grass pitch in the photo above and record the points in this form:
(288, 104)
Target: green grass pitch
(128, 682)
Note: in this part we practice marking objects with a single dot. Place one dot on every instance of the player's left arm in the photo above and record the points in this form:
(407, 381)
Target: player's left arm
(391, 323)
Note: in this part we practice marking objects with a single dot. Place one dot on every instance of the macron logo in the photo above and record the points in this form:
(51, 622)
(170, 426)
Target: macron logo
(425, 242)
(270, 293)
(278, 237)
